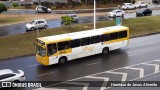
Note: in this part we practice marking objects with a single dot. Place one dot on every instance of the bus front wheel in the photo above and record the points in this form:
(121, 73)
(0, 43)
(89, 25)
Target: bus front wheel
(105, 51)
(62, 60)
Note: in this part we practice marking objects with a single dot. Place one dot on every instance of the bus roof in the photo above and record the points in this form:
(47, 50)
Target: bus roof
(81, 34)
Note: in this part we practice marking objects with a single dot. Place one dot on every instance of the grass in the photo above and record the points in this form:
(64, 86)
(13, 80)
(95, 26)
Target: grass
(18, 45)
(70, 7)
(10, 20)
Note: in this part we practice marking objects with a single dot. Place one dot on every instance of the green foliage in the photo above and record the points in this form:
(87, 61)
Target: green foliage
(103, 1)
(67, 20)
(2, 8)
(15, 4)
(127, 1)
(53, 7)
(133, 1)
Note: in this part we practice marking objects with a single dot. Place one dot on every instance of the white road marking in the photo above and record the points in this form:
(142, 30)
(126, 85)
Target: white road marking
(93, 63)
(49, 89)
(142, 50)
(134, 55)
(44, 74)
(104, 83)
(32, 65)
(85, 84)
(124, 77)
(156, 66)
(144, 76)
(110, 71)
(141, 74)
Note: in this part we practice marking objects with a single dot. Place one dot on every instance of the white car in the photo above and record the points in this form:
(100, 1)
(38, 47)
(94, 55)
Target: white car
(128, 6)
(36, 24)
(116, 13)
(42, 9)
(140, 4)
(11, 75)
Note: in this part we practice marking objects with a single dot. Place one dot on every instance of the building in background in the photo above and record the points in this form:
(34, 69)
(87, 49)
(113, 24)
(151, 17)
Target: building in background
(54, 1)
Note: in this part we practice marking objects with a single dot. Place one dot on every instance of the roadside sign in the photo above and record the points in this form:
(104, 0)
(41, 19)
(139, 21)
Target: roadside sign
(118, 21)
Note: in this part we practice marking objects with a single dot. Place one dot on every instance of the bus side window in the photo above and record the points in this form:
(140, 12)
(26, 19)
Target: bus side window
(85, 41)
(105, 37)
(95, 39)
(113, 35)
(122, 34)
(63, 45)
(75, 43)
(52, 49)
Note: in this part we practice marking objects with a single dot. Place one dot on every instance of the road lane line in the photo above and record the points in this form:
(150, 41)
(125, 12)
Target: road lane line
(144, 76)
(143, 50)
(93, 63)
(124, 77)
(48, 89)
(141, 74)
(32, 65)
(44, 74)
(76, 83)
(134, 55)
(104, 83)
(155, 65)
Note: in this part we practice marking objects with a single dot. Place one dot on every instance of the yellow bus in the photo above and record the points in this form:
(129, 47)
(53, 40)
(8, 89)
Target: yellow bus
(65, 47)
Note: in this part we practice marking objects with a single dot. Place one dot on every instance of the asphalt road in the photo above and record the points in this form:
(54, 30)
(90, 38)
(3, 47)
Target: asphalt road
(137, 61)
(20, 28)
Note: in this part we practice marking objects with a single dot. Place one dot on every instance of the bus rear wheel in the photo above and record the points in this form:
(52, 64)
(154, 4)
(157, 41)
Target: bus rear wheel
(105, 51)
(62, 60)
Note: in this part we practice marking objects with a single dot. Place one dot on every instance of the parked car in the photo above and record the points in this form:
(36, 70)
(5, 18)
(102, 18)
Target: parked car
(128, 6)
(42, 9)
(74, 16)
(144, 12)
(140, 4)
(11, 75)
(116, 13)
(36, 24)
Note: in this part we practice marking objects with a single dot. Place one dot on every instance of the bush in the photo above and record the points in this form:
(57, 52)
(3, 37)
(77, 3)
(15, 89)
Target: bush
(67, 20)
(35, 3)
(53, 7)
(15, 4)
(2, 8)
(60, 5)
(103, 1)
(47, 4)
(127, 1)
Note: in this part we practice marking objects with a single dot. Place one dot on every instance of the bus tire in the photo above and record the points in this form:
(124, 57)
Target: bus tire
(105, 51)
(62, 60)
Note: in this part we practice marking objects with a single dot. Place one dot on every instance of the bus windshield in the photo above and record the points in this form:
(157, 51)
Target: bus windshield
(40, 51)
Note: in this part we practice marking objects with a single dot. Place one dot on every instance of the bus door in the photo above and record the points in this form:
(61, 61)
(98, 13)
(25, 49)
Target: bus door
(52, 53)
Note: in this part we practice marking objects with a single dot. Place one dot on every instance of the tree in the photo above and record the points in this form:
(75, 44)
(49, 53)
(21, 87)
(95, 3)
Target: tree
(2, 8)
(67, 20)
(15, 4)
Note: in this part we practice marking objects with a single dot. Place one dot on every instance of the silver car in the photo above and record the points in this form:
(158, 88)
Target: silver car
(36, 24)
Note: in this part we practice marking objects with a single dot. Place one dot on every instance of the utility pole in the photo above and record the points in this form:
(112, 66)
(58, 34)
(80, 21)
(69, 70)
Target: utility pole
(94, 14)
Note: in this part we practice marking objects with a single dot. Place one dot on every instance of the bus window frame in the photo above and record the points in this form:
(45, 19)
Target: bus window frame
(48, 50)
(42, 46)
(63, 42)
